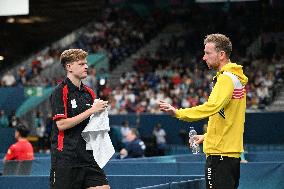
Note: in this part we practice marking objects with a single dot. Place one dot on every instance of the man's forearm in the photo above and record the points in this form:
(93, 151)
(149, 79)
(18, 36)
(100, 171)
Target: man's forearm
(68, 123)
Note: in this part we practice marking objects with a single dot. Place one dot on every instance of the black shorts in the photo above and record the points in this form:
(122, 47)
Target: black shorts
(222, 172)
(77, 177)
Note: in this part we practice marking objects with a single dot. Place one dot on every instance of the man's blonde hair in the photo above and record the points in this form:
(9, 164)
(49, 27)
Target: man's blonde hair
(222, 42)
(72, 55)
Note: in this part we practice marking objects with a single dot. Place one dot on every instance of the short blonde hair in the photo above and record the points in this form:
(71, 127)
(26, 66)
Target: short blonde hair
(72, 55)
(222, 43)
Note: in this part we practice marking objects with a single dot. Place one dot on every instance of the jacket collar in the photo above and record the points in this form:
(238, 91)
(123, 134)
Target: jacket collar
(72, 87)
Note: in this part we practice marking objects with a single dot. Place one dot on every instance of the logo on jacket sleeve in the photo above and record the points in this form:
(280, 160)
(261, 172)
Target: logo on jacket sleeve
(222, 113)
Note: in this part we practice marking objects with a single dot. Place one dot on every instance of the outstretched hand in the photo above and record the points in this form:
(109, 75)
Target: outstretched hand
(166, 107)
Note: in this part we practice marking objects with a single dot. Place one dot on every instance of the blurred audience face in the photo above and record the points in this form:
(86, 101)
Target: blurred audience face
(130, 136)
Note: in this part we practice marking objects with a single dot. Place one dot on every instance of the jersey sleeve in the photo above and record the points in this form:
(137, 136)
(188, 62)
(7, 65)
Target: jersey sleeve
(58, 104)
(218, 99)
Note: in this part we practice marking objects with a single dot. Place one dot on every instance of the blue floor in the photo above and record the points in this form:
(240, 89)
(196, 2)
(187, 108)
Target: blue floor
(265, 170)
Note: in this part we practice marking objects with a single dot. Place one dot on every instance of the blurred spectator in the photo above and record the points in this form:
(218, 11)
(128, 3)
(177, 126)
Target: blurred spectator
(22, 149)
(8, 79)
(46, 61)
(13, 120)
(124, 130)
(160, 135)
(134, 146)
(262, 93)
(36, 66)
(39, 126)
(4, 122)
(22, 75)
(105, 93)
(47, 133)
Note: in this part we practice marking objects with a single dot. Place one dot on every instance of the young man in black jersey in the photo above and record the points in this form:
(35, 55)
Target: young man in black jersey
(72, 166)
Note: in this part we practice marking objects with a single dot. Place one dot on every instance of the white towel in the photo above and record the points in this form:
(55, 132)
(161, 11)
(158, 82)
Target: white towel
(97, 138)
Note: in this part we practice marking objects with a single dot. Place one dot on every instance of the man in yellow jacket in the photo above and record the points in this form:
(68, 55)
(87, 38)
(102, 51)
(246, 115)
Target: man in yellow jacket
(223, 142)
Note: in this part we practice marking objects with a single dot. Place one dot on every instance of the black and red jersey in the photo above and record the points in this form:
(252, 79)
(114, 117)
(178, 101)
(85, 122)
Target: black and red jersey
(68, 148)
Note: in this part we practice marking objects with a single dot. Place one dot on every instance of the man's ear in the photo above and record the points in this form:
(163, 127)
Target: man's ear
(68, 67)
(222, 54)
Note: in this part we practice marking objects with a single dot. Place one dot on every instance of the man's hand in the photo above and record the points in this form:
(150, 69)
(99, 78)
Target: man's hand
(123, 153)
(166, 107)
(99, 106)
(198, 139)
(67, 123)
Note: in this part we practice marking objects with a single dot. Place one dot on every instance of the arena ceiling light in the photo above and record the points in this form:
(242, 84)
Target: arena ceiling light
(10, 20)
(1, 58)
(26, 20)
(14, 7)
(221, 1)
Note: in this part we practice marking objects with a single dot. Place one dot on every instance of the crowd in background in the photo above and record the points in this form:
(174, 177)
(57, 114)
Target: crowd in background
(175, 72)
(24, 76)
(184, 81)
(118, 33)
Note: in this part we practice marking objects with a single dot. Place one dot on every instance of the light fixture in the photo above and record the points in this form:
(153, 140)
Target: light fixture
(27, 20)
(10, 20)
(102, 81)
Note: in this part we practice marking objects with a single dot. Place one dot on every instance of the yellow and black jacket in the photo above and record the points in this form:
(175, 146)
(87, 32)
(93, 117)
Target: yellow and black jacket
(226, 111)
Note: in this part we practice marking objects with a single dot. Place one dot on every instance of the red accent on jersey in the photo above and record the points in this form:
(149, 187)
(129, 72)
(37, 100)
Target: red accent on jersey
(239, 93)
(91, 92)
(59, 116)
(60, 137)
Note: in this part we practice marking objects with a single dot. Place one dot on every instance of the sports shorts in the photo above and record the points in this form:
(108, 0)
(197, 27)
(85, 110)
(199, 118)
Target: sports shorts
(222, 172)
(77, 177)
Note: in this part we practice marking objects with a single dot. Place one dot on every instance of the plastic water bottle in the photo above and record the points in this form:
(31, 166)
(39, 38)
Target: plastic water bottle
(194, 147)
